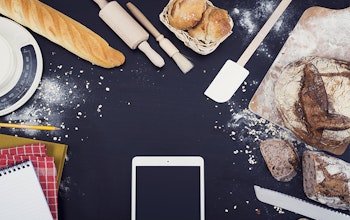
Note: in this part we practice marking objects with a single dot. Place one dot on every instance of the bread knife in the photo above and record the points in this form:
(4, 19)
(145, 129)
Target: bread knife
(297, 205)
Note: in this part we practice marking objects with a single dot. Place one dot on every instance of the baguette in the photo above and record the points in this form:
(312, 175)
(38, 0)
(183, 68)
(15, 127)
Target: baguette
(62, 30)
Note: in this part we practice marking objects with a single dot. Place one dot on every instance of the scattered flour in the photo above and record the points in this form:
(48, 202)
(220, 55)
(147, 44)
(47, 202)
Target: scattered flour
(248, 18)
(248, 21)
(56, 94)
(250, 129)
(48, 105)
(65, 187)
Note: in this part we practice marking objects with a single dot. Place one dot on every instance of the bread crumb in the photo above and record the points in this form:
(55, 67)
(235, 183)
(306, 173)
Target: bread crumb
(279, 210)
(257, 211)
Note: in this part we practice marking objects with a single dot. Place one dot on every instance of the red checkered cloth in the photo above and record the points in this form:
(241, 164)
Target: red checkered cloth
(38, 149)
(44, 167)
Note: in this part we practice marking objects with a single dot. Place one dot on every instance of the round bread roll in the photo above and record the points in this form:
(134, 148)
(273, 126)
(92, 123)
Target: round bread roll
(214, 25)
(185, 14)
(312, 97)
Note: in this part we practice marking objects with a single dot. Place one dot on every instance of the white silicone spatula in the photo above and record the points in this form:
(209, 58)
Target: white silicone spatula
(232, 74)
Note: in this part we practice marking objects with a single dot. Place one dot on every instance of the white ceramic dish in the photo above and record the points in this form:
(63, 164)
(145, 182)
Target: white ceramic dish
(21, 65)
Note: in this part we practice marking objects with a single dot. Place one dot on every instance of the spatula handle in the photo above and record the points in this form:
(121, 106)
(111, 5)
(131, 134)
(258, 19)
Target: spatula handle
(248, 53)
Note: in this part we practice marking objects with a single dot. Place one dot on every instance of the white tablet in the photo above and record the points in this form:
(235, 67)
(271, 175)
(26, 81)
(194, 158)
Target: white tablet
(170, 188)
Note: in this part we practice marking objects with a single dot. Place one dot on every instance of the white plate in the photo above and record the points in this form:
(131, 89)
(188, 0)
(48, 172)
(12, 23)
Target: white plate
(21, 65)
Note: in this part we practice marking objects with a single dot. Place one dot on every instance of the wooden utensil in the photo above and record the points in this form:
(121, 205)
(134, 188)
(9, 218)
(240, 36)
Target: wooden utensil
(114, 15)
(183, 63)
(233, 73)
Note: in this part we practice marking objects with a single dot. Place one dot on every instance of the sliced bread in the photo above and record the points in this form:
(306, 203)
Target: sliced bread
(281, 158)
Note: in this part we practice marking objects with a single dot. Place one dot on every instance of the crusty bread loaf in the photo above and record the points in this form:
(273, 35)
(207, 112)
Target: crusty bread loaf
(62, 30)
(326, 179)
(312, 97)
(185, 14)
(214, 25)
(209, 39)
(281, 158)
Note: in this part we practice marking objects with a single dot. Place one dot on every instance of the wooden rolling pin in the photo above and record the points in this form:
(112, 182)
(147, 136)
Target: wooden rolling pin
(127, 29)
(183, 63)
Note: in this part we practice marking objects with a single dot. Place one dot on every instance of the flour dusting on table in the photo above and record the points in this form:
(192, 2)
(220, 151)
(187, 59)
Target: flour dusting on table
(248, 22)
(60, 89)
(247, 18)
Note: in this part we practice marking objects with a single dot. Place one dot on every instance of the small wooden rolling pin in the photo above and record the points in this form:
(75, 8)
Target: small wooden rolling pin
(127, 29)
(183, 63)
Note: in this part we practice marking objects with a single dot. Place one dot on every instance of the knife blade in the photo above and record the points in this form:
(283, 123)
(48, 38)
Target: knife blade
(297, 205)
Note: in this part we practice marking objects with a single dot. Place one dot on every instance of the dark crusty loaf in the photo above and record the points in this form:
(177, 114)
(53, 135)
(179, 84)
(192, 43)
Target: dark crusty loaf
(281, 158)
(326, 179)
(313, 98)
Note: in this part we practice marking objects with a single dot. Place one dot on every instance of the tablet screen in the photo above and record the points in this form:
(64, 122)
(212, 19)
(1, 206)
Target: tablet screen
(168, 192)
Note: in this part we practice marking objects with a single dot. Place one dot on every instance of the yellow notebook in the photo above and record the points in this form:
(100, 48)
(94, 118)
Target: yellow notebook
(56, 150)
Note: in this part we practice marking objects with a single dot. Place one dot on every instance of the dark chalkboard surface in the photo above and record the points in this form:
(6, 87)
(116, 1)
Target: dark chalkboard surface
(108, 116)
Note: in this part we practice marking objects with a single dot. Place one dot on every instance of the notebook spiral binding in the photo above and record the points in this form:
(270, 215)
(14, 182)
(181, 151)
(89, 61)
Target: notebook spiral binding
(14, 168)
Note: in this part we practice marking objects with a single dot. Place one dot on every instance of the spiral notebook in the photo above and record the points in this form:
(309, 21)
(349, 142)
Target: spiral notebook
(21, 196)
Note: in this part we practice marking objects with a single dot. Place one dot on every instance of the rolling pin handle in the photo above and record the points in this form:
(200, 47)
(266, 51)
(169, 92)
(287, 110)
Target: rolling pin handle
(101, 3)
(160, 37)
(154, 57)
